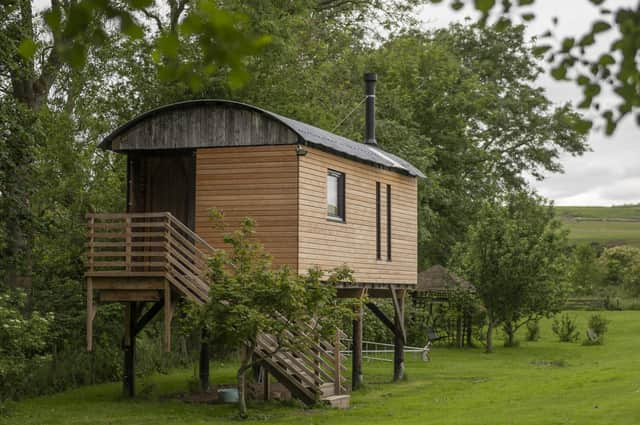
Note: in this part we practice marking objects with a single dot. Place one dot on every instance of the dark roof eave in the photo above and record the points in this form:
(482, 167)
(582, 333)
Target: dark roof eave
(106, 143)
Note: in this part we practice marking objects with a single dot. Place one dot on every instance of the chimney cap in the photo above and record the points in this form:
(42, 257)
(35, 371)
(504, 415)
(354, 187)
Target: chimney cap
(370, 76)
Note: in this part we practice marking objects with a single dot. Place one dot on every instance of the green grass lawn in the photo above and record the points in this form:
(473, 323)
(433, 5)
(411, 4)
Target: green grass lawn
(544, 382)
(606, 225)
(605, 232)
(620, 212)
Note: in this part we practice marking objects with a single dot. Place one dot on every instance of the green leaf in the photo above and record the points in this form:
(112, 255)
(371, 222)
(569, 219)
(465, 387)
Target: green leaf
(169, 45)
(52, 18)
(587, 40)
(484, 5)
(568, 43)
(541, 50)
(130, 27)
(457, 5)
(583, 126)
(502, 24)
(583, 80)
(606, 59)
(525, 2)
(27, 48)
(76, 55)
(559, 72)
(600, 26)
(528, 17)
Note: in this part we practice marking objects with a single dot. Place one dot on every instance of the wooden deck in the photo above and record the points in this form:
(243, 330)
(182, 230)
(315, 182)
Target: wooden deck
(139, 258)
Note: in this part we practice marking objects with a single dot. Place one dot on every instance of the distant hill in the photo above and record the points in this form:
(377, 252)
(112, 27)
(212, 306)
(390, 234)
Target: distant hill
(610, 226)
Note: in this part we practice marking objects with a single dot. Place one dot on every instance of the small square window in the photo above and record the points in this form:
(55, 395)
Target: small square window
(335, 195)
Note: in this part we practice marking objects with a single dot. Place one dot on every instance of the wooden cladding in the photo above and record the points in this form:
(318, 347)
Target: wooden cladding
(257, 182)
(328, 244)
(199, 125)
(287, 196)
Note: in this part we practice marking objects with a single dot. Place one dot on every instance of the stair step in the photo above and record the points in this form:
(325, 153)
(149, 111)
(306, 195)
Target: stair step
(338, 401)
(327, 389)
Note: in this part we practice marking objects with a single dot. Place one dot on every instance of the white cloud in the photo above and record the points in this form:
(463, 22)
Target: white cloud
(610, 174)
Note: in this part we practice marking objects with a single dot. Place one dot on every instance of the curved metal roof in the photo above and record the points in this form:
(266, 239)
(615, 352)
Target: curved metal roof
(308, 134)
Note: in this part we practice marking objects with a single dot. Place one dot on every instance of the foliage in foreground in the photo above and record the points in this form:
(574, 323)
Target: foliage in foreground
(249, 297)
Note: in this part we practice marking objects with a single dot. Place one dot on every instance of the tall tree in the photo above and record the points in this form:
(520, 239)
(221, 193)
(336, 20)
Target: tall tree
(463, 102)
(515, 257)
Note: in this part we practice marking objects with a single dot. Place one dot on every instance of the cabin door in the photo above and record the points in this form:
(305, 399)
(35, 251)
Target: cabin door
(163, 181)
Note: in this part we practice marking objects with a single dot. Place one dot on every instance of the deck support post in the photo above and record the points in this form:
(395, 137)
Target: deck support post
(204, 361)
(356, 350)
(129, 348)
(91, 314)
(399, 334)
(266, 383)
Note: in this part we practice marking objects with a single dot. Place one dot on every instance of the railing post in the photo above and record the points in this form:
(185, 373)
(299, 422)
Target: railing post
(337, 364)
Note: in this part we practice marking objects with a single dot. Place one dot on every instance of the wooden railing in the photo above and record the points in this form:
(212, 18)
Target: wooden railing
(142, 246)
(139, 245)
(313, 366)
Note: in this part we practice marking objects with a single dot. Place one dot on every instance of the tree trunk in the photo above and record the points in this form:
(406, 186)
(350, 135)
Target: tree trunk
(204, 361)
(489, 348)
(245, 360)
(510, 331)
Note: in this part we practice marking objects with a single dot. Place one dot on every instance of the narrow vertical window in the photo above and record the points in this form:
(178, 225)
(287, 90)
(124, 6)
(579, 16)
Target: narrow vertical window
(378, 219)
(335, 195)
(388, 222)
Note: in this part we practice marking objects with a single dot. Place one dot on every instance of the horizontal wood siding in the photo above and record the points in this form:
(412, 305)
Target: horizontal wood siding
(258, 182)
(204, 125)
(329, 244)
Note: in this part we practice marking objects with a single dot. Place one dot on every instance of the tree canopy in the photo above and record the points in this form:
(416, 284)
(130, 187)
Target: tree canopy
(515, 256)
(577, 57)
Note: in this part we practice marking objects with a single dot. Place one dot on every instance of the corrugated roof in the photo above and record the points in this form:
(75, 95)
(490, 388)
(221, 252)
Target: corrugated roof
(314, 136)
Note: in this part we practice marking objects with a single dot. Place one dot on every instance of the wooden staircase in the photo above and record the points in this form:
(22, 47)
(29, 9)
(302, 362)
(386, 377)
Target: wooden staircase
(153, 257)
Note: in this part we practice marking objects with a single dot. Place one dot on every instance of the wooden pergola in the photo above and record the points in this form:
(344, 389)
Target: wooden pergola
(440, 285)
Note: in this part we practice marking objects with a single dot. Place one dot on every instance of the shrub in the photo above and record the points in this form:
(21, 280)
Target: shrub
(597, 327)
(533, 330)
(22, 343)
(566, 328)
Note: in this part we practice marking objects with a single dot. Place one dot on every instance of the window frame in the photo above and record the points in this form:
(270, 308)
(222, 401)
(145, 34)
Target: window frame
(341, 217)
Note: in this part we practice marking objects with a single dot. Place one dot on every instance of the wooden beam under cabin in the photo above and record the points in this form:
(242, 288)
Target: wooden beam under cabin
(124, 296)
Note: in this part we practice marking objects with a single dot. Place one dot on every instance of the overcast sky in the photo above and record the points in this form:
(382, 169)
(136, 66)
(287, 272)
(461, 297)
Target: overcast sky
(610, 174)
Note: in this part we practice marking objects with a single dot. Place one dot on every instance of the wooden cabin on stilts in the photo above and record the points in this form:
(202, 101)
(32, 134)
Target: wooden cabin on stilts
(319, 199)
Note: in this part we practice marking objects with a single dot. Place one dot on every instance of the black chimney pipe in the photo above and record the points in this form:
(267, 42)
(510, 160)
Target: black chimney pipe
(370, 115)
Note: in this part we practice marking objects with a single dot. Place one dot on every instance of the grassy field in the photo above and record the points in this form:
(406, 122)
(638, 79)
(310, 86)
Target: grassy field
(544, 382)
(605, 225)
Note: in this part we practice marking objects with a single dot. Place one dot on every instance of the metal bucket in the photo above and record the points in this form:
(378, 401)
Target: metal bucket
(228, 395)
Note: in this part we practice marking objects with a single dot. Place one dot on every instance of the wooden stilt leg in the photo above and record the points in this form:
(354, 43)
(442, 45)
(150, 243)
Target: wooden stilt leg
(128, 377)
(204, 362)
(90, 314)
(356, 350)
(267, 384)
(399, 337)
